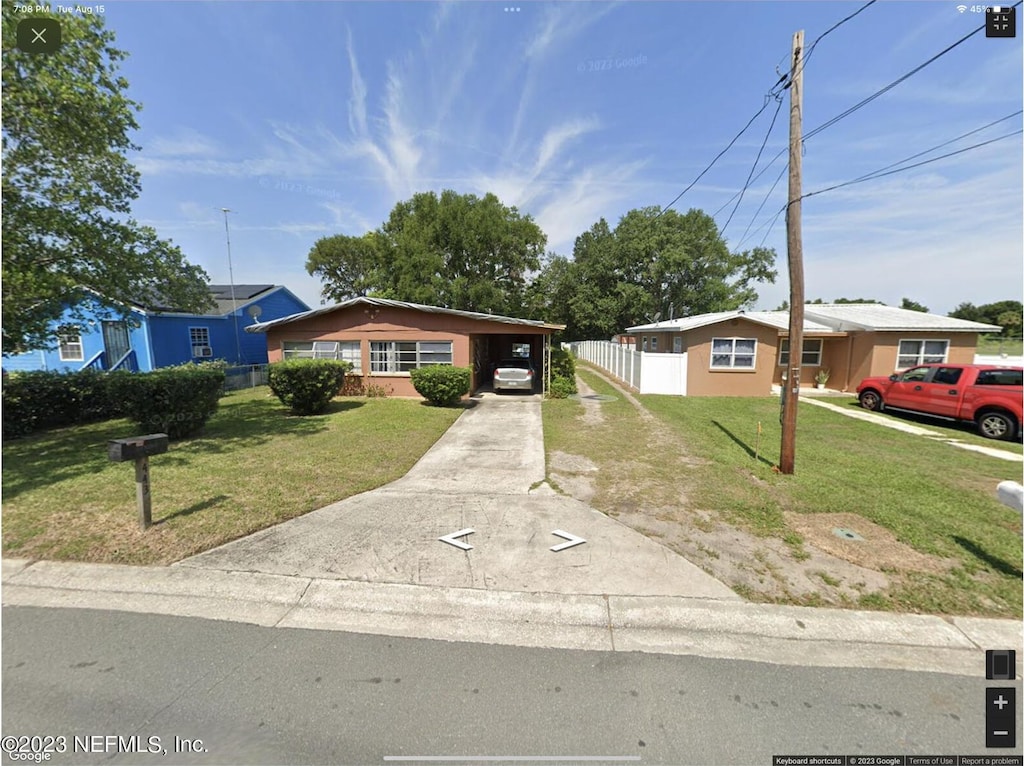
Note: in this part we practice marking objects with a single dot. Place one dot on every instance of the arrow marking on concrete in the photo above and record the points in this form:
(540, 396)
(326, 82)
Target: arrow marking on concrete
(450, 539)
(573, 540)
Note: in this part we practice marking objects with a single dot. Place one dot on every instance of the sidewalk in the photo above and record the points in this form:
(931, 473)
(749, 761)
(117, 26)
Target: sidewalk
(730, 629)
(888, 422)
(373, 563)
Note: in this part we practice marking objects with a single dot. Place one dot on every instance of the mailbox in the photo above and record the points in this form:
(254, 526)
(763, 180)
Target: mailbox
(133, 448)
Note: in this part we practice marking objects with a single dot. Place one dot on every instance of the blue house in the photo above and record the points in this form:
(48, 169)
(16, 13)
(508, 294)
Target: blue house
(157, 335)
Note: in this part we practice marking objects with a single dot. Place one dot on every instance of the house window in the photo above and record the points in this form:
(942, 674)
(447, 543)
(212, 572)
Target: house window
(921, 352)
(733, 353)
(811, 356)
(644, 347)
(199, 337)
(343, 350)
(71, 347)
(654, 343)
(403, 356)
(677, 345)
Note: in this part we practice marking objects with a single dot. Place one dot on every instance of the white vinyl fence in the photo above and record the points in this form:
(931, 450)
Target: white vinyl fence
(1014, 361)
(646, 372)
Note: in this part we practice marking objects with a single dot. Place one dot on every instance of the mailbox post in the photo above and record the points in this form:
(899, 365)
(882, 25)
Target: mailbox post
(139, 448)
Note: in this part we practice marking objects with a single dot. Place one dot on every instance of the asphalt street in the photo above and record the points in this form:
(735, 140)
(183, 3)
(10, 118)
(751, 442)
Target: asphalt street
(275, 695)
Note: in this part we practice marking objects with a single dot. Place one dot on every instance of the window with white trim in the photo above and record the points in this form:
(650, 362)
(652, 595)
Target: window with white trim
(71, 347)
(811, 356)
(644, 348)
(914, 352)
(654, 343)
(342, 350)
(199, 338)
(403, 356)
(733, 353)
(677, 344)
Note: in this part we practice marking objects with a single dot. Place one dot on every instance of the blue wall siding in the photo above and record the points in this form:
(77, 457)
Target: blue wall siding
(172, 340)
(163, 341)
(92, 343)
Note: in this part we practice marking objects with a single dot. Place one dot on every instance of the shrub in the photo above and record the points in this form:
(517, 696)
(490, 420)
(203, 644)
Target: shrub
(563, 368)
(306, 386)
(176, 401)
(42, 399)
(441, 384)
(561, 388)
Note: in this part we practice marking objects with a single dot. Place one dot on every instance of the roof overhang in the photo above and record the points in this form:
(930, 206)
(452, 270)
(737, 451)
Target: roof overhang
(524, 324)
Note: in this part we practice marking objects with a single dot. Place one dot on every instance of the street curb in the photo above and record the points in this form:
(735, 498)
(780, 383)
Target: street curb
(783, 635)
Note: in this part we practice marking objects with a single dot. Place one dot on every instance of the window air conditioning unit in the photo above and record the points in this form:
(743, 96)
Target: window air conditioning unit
(202, 351)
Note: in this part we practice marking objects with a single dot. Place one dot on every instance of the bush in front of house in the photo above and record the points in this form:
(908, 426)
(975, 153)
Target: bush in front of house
(177, 401)
(441, 384)
(306, 386)
(561, 388)
(41, 399)
(563, 373)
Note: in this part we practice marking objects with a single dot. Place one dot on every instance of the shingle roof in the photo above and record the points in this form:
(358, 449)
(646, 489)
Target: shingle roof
(243, 294)
(875, 316)
(221, 295)
(386, 302)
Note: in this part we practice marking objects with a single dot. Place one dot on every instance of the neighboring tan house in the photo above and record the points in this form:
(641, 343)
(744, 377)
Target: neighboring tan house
(385, 339)
(157, 334)
(745, 353)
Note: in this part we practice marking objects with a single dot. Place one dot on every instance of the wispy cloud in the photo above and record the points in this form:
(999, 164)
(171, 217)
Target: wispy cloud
(183, 142)
(357, 99)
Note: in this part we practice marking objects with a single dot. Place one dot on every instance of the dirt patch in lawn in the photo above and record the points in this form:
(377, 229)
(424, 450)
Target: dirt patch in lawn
(592, 415)
(879, 549)
(758, 567)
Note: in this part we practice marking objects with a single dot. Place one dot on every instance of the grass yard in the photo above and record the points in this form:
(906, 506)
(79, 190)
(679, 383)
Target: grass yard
(993, 344)
(937, 540)
(964, 432)
(254, 466)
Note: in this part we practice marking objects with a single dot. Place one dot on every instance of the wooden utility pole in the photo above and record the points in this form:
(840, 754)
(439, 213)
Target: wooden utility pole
(794, 250)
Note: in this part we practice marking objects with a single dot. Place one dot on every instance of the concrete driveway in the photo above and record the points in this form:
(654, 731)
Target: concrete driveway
(485, 473)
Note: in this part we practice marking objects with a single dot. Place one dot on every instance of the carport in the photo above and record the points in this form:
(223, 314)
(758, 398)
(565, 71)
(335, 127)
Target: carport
(385, 340)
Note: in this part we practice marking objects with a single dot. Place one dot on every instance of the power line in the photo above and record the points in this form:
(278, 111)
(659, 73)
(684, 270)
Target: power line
(835, 26)
(761, 207)
(893, 84)
(757, 159)
(883, 172)
(944, 143)
(718, 156)
(880, 174)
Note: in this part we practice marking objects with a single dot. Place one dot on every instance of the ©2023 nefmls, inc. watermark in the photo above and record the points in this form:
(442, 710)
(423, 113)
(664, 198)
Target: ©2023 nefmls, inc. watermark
(611, 64)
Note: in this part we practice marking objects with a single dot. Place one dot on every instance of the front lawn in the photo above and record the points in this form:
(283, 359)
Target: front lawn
(254, 466)
(937, 540)
(964, 432)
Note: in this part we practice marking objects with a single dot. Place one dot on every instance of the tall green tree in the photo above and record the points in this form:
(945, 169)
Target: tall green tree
(913, 306)
(68, 186)
(651, 265)
(346, 265)
(1006, 314)
(456, 250)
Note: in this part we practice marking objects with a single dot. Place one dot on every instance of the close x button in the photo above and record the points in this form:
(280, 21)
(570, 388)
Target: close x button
(1000, 716)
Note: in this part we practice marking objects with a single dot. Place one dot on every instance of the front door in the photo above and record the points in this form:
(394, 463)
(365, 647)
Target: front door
(115, 342)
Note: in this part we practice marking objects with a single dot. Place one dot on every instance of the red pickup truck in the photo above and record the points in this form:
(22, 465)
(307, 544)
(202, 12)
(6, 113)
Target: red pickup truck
(990, 396)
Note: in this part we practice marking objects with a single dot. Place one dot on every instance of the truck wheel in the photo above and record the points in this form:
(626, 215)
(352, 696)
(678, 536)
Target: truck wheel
(870, 400)
(996, 425)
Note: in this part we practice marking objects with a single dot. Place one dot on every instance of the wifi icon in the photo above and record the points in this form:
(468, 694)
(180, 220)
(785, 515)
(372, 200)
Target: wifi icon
(961, 8)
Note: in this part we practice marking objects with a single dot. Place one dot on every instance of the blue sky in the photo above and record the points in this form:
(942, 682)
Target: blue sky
(310, 119)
